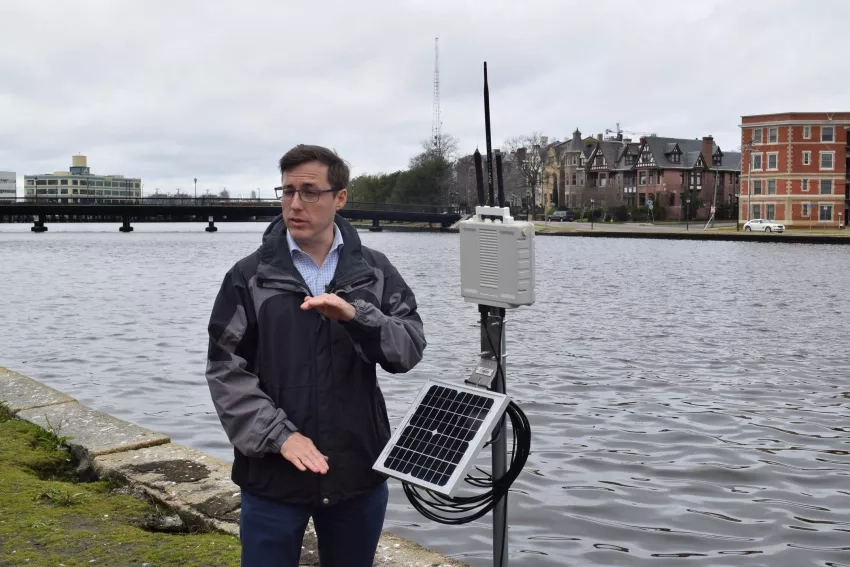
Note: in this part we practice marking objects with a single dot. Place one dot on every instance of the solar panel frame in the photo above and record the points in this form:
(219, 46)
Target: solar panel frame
(410, 440)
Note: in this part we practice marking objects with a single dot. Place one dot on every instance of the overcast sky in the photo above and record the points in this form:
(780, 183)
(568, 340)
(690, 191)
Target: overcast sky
(173, 89)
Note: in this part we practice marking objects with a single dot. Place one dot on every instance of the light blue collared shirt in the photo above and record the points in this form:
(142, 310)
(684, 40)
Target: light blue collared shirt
(317, 277)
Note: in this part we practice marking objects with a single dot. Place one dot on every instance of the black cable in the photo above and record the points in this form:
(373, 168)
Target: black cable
(459, 510)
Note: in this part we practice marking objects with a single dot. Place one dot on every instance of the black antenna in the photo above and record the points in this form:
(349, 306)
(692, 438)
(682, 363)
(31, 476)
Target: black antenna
(492, 200)
(479, 178)
(499, 178)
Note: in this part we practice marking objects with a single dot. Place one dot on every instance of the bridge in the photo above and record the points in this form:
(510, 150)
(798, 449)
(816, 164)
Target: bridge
(203, 209)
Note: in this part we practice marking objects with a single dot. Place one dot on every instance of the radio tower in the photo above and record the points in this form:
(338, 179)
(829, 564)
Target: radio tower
(435, 120)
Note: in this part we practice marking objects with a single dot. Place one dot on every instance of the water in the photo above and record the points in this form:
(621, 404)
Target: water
(688, 400)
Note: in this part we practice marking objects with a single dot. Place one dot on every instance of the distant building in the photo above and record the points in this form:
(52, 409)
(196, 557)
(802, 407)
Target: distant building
(564, 174)
(796, 168)
(8, 183)
(79, 185)
(666, 171)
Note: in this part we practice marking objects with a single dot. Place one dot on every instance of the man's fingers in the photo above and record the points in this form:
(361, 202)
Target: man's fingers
(298, 464)
(314, 464)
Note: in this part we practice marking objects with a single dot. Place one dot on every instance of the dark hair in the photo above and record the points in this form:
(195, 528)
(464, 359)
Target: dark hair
(304, 153)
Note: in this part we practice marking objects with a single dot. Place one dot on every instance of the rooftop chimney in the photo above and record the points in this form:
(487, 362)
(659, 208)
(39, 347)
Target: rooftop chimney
(707, 147)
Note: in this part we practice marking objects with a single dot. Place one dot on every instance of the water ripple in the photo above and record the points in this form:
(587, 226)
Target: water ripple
(685, 408)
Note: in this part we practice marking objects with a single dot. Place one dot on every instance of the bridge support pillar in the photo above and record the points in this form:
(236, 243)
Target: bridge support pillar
(38, 224)
(126, 226)
(211, 227)
(376, 226)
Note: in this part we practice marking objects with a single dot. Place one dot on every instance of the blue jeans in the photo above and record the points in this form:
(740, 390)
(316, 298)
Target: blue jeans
(347, 532)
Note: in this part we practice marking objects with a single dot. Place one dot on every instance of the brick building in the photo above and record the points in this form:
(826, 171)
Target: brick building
(666, 171)
(796, 168)
(564, 171)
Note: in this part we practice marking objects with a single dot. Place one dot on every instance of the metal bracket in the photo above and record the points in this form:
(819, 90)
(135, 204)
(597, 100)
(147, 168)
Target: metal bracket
(484, 372)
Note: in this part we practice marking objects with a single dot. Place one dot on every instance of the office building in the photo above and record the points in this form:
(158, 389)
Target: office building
(79, 185)
(8, 183)
(795, 169)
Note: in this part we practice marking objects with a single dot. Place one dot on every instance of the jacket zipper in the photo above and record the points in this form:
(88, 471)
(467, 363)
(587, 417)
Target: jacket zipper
(354, 286)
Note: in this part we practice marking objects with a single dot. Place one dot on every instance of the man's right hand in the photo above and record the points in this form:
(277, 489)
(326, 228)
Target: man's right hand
(301, 452)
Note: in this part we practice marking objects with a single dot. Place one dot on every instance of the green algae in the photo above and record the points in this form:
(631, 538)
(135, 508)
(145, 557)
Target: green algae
(48, 517)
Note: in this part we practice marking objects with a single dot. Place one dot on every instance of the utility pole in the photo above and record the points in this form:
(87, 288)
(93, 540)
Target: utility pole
(196, 188)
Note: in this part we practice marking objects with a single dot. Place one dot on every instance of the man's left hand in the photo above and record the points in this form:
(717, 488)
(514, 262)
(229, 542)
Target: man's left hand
(331, 306)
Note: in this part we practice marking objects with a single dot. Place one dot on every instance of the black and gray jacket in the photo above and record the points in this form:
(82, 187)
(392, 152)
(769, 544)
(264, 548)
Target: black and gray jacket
(273, 368)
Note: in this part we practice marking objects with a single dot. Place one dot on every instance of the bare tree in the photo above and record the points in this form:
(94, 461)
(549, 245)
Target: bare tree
(445, 147)
(528, 154)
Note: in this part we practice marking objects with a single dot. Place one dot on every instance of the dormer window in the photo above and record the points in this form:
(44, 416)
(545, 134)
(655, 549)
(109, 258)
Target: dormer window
(674, 157)
(716, 159)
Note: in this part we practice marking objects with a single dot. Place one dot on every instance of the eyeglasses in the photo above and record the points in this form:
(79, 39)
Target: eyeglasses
(306, 195)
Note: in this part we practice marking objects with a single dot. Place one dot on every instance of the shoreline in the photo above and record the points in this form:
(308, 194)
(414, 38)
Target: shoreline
(187, 482)
(779, 238)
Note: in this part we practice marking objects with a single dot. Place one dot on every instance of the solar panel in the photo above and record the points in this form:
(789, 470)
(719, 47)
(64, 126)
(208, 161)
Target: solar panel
(442, 433)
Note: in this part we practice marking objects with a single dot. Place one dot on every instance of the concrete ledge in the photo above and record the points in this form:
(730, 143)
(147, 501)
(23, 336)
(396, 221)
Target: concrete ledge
(181, 478)
(89, 432)
(18, 392)
(189, 482)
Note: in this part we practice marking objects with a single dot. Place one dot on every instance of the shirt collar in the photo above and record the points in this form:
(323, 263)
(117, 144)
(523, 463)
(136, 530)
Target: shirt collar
(337, 242)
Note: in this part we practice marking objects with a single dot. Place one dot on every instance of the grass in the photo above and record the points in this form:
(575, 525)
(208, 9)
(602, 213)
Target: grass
(47, 517)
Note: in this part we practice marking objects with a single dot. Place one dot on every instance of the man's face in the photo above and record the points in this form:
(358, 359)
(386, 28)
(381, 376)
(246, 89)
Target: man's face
(304, 220)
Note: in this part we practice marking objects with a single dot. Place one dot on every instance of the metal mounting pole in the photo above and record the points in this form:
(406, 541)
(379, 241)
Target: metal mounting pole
(493, 333)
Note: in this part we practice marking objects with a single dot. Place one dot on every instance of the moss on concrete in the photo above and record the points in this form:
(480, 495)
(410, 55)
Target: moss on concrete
(47, 517)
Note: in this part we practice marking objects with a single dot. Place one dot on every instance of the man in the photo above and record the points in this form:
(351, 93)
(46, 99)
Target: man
(295, 335)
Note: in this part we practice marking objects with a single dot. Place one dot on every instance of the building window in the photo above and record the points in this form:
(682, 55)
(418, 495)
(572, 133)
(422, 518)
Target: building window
(716, 159)
(805, 212)
(574, 179)
(642, 177)
(807, 158)
(756, 211)
(827, 160)
(825, 213)
(696, 179)
(771, 211)
(757, 135)
(651, 177)
(757, 187)
(756, 161)
(674, 157)
(826, 186)
(771, 186)
(804, 185)
(827, 133)
(63, 182)
(772, 135)
(807, 132)
(773, 160)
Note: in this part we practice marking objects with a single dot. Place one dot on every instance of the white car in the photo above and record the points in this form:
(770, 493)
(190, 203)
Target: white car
(764, 225)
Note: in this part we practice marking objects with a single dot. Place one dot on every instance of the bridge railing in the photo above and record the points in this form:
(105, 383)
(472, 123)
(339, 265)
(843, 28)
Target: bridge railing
(154, 200)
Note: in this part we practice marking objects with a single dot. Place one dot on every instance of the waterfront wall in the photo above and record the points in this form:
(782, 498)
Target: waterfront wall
(193, 484)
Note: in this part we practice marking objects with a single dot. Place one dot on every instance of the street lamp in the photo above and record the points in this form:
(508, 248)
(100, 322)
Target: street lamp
(592, 201)
(196, 188)
(688, 214)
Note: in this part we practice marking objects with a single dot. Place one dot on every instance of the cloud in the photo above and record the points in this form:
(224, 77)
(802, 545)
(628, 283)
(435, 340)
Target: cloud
(169, 91)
